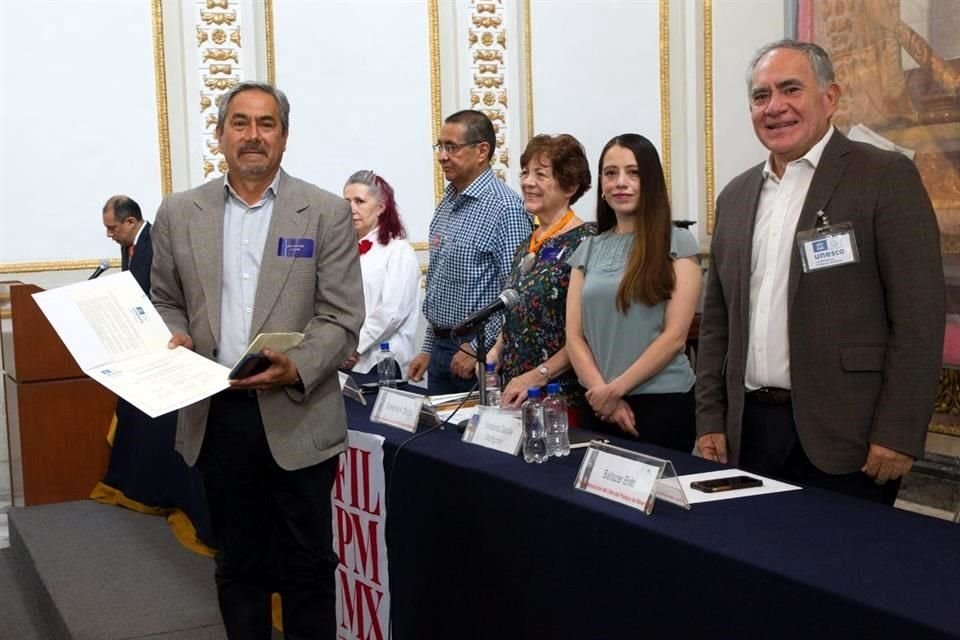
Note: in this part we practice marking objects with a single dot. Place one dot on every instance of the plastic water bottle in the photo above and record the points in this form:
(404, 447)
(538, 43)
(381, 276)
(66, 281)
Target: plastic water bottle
(492, 382)
(534, 445)
(555, 421)
(386, 367)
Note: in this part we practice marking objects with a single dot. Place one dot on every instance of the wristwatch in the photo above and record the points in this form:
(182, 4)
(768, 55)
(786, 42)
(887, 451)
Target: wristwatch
(297, 385)
(544, 371)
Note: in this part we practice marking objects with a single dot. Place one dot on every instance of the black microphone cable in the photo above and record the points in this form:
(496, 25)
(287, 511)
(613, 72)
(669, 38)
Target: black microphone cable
(396, 454)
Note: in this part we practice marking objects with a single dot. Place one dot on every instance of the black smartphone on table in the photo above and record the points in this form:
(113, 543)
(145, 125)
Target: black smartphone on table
(730, 483)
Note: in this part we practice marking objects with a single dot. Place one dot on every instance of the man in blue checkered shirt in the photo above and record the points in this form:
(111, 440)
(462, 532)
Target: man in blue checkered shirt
(473, 236)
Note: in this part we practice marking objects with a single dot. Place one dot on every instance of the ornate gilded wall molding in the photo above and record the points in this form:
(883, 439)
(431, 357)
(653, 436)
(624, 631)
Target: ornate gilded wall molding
(433, 24)
(221, 65)
(160, 79)
(708, 111)
(54, 265)
(270, 44)
(487, 47)
(528, 66)
(665, 90)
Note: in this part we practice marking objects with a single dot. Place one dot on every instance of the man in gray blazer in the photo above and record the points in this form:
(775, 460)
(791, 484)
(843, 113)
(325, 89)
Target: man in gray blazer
(823, 320)
(262, 252)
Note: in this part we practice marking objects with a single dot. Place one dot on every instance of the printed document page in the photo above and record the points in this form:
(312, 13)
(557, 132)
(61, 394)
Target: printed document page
(117, 337)
(694, 496)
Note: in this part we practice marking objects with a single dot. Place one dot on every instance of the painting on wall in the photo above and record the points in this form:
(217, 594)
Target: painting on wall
(898, 66)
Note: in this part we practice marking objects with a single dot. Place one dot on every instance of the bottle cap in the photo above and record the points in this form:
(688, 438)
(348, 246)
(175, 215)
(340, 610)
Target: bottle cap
(384, 346)
(533, 392)
(553, 387)
(491, 367)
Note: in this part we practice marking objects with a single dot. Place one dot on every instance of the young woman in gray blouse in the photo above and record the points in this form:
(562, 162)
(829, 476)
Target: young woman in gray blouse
(633, 292)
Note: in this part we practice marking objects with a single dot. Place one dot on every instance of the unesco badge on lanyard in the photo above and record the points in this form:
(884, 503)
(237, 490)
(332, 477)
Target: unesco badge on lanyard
(827, 245)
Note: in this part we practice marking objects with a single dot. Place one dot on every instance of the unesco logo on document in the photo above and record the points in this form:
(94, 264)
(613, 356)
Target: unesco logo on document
(139, 314)
(819, 245)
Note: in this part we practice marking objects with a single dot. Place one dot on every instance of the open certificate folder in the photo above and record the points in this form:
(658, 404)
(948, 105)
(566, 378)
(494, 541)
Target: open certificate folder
(118, 339)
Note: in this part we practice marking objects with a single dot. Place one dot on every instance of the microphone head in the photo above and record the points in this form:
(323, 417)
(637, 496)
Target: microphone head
(103, 266)
(510, 298)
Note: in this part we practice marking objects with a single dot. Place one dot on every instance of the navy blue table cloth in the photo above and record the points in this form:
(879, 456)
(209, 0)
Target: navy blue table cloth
(483, 545)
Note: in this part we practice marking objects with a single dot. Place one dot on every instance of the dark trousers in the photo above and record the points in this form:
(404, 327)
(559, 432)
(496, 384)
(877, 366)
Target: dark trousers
(664, 419)
(769, 445)
(274, 528)
(441, 379)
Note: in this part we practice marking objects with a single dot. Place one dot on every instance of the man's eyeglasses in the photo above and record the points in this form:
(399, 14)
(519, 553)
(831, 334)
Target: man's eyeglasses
(451, 148)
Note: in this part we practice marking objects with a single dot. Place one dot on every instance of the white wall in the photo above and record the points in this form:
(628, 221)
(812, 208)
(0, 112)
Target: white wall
(78, 121)
(596, 73)
(358, 78)
(81, 114)
(740, 27)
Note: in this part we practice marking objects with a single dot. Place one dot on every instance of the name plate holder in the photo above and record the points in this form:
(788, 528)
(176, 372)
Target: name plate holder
(496, 428)
(630, 478)
(396, 408)
(350, 389)
(428, 414)
(436, 407)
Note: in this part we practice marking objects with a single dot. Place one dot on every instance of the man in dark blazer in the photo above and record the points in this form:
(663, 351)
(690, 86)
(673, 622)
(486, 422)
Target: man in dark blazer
(125, 226)
(260, 251)
(823, 371)
(143, 464)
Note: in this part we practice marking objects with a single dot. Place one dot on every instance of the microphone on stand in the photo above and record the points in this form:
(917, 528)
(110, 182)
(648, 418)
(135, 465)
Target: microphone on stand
(103, 266)
(506, 300)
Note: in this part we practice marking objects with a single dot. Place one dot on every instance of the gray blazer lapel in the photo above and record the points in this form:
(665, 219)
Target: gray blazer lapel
(825, 180)
(288, 221)
(206, 238)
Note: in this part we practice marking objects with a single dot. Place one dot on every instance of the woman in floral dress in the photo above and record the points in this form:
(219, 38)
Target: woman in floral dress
(531, 348)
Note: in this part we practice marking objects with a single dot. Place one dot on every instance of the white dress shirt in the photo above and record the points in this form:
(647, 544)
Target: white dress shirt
(774, 241)
(391, 283)
(136, 238)
(245, 229)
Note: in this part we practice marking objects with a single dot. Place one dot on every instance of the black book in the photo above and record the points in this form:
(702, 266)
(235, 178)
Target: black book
(581, 438)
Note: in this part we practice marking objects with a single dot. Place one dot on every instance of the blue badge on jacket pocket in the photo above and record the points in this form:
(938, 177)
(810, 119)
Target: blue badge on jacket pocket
(295, 248)
(551, 254)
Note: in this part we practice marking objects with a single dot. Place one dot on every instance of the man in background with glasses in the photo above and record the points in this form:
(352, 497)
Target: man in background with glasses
(125, 226)
(474, 233)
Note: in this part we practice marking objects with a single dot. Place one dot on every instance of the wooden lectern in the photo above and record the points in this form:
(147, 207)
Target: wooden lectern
(57, 417)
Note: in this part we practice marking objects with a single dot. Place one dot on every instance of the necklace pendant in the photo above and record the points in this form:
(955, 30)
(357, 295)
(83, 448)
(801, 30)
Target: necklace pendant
(526, 265)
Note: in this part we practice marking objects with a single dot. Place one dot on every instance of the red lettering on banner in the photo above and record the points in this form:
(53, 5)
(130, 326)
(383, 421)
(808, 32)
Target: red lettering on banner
(358, 548)
(367, 485)
(338, 480)
(367, 547)
(359, 603)
(344, 534)
(346, 601)
(358, 519)
(359, 483)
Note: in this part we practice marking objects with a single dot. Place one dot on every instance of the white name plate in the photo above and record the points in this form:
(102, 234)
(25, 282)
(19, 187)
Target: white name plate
(395, 408)
(496, 428)
(618, 475)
